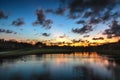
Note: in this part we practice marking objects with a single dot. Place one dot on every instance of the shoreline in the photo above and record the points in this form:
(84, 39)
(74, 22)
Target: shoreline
(22, 52)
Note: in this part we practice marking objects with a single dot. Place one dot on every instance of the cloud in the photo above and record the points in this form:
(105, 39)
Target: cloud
(94, 5)
(109, 36)
(95, 11)
(87, 14)
(98, 10)
(106, 16)
(116, 14)
(73, 16)
(21, 29)
(60, 11)
(36, 34)
(18, 22)
(85, 29)
(63, 36)
(57, 11)
(40, 16)
(79, 41)
(45, 34)
(41, 19)
(47, 23)
(86, 36)
(2, 15)
(95, 20)
(80, 22)
(87, 8)
(49, 11)
(62, 1)
(76, 41)
(7, 31)
(99, 38)
(114, 30)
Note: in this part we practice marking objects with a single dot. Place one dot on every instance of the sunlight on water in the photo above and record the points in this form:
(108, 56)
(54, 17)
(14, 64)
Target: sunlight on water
(72, 66)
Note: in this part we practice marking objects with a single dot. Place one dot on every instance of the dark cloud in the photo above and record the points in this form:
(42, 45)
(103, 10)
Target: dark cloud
(114, 30)
(95, 20)
(2, 15)
(41, 19)
(49, 11)
(45, 34)
(60, 11)
(40, 16)
(88, 14)
(7, 31)
(58, 43)
(99, 38)
(85, 29)
(47, 23)
(95, 5)
(106, 16)
(116, 14)
(109, 36)
(95, 11)
(18, 22)
(78, 41)
(15, 33)
(73, 16)
(63, 36)
(103, 18)
(86, 36)
(80, 22)
(63, 1)
(21, 29)
(100, 10)
(2, 30)
(36, 34)
(35, 23)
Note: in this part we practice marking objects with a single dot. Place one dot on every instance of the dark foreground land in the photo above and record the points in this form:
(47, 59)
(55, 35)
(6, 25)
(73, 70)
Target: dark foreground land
(13, 48)
(21, 52)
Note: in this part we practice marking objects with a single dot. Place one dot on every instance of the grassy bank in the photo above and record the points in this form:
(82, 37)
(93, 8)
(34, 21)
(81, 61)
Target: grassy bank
(108, 52)
(30, 51)
(22, 52)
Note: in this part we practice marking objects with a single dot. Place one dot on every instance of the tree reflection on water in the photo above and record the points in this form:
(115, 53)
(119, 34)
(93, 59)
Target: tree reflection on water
(72, 66)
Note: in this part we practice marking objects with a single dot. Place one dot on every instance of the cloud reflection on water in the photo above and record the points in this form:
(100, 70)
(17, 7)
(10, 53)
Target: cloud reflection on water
(72, 66)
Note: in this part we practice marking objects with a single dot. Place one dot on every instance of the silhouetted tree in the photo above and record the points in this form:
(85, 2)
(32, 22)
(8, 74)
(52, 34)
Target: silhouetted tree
(12, 44)
(40, 44)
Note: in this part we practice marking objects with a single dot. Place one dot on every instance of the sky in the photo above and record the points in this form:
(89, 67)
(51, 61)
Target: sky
(60, 22)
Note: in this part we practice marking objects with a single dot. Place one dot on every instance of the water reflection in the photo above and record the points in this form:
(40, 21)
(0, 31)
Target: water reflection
(72, 66)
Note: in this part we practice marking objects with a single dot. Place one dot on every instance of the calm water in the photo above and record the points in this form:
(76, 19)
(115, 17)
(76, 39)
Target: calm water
(73, 66)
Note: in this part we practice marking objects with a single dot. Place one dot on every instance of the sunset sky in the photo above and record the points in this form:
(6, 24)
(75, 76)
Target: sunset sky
(62, 22)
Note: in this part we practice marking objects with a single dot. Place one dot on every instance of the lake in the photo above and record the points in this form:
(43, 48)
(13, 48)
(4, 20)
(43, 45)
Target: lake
(69, 66)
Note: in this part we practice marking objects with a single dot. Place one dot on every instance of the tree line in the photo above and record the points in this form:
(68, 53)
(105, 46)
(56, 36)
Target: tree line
(13, 45)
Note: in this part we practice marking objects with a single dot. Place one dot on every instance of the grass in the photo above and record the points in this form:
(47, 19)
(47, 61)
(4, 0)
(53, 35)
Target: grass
(109, 52)
(30, 51)
(22, 52)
